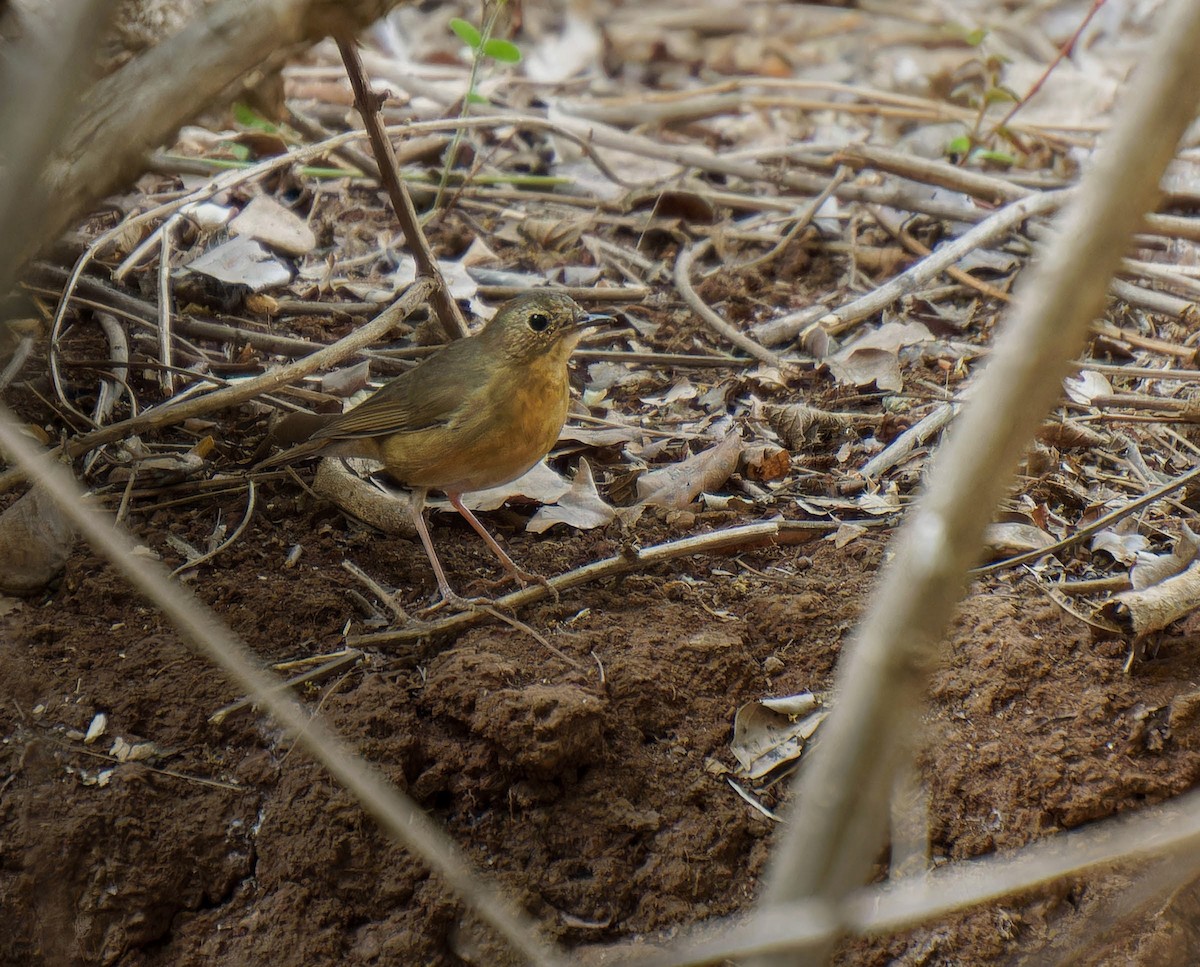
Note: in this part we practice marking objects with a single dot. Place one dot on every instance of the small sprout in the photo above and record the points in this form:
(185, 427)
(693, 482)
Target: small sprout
(504, 51)
(994, 157)
(466, 33)
(958, 146)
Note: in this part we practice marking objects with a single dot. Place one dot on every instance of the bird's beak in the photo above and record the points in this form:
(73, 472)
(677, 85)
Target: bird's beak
(590, 319)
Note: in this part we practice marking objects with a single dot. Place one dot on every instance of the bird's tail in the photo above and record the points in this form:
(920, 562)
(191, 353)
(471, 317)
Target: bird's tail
(294, 433)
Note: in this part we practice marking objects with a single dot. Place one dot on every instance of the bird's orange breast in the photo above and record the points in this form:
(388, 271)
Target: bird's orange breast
(497, 434)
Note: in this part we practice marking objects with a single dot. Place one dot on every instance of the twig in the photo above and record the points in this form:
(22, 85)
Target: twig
(803, 219)
(176, 412)
(166, 376)
(745, 535)
(683, 282)
(840, 816)
(907, 441)
(1063, 51)
(894, 227)
(196, 562)
(535, 635)
(368, 104)
(377, 589)
(850, 315)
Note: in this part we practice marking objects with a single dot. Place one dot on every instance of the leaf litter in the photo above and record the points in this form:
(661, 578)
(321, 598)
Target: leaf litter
(620, 143)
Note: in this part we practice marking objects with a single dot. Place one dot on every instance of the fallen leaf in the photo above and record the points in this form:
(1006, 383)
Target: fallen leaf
(581, 507)
(772, 733)
(1006, 538)
(765, 461)
(1153, 569)
(540, 484)
(678, 485)
(874, 357)
(1085, 386)
(242, 261)
(267, 221)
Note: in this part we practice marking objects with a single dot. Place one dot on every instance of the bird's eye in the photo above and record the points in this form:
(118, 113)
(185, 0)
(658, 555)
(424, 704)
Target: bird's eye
(539, 321)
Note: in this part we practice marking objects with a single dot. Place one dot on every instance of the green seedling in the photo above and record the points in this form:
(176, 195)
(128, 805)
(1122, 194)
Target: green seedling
(484, 47)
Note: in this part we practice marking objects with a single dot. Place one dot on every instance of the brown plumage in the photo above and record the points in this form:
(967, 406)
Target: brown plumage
(476, 414)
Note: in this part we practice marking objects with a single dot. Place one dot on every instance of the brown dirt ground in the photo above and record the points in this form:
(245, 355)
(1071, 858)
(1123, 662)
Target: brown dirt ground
(588, 802)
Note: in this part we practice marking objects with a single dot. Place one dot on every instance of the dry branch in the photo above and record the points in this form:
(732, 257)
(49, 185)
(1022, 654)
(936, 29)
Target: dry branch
(838, 826)
(145, 102)
(395, 811)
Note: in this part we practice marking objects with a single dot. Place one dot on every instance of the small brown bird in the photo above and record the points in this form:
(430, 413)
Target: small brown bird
(476, 414)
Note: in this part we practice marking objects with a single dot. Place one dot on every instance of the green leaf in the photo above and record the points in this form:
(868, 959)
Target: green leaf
(502, 50)
(960, 145)
(975, 37)
(466, 32)
(994, 157)
(1000, 95)
(247, 117)
(473, 98)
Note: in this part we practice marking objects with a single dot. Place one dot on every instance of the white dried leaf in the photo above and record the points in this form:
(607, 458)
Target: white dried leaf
(581, 507)
(267, 221)
(242, 261)
(1086, 386)
(1124, 548)
(675, 487)
(1006, 538)
(772, 733)
(540, 483)
(1153, 569)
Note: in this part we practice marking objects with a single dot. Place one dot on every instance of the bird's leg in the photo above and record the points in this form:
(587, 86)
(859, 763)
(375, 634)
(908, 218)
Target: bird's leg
(522, 577)
(448, 596)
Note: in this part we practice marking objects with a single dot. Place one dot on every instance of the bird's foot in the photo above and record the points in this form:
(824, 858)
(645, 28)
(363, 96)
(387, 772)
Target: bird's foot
(446, 598)
(522, 578)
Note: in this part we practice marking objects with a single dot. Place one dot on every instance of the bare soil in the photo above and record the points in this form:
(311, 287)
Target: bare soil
(587, 798)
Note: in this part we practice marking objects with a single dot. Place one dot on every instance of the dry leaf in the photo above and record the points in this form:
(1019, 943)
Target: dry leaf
(766, 461)
(1086, 386)
(1006, 538)
(1125, 544)
(772, 733)
(242, 261)
(267, 221)
(875, 357)
(581, 506)
(799, 425)
(1153, 569)
(677, 486)
(539, 483)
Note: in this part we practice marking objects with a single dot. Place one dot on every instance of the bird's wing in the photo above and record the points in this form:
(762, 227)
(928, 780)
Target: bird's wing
(431, 394)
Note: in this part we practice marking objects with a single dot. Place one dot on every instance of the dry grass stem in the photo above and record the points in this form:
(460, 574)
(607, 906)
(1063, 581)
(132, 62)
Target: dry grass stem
(842, 801)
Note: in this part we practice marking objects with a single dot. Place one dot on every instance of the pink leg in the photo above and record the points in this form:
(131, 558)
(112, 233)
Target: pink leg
(417, 509)
(522, 577)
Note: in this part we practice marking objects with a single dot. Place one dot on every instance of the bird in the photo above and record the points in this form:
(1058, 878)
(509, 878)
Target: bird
(476, 414)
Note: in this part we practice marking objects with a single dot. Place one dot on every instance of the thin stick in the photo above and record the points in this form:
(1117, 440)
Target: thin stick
(852, 313)
(683, 282)
(196, 562)
(394, 810)
(166, 377)
(841, 806)
(171, 414)
(632, 559)
(368, 104)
